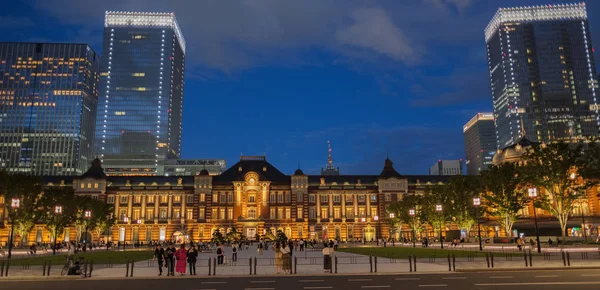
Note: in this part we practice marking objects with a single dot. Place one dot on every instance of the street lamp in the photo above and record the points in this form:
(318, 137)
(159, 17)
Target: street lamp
(532, 192)
(411, 213)
(393, 230)
(477, 204)
(438, 209)
(15, 203)
(573, 176)
(58, 210)
(87, 215)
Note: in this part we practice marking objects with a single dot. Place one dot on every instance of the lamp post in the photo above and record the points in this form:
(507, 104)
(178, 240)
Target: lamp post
(438, 209)
(533, 195)
(86, 215)
(364, 237)
(477, 203)
(15, 203)
(411, 213)
(573, 176)
(57, 211)
(392, 231)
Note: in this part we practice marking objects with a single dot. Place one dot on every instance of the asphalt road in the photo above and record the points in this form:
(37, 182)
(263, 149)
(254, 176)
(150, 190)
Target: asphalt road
(524, 280)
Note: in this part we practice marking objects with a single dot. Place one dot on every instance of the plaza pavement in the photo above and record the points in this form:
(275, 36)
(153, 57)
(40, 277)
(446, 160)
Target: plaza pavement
(310, 262)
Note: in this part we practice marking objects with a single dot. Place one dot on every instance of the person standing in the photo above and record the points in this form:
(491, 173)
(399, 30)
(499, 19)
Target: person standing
(219, 254)
(171, 260)
(291, 246)
(301, 243)
(181, 256)
(159, 255)
(286, 258)
(326, 258)
(192, 258)
(278, 256)
(260, 248)
(234, 249)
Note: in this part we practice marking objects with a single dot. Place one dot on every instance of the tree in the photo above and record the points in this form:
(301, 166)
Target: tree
(217, 237)
(402, 209)
(433, 197)
(552, 169)
(460, 191)
(280, 237)
(589, 164)
(27, 189)
(504, 194)
(81, 221)
(233, 235)
(53, 197)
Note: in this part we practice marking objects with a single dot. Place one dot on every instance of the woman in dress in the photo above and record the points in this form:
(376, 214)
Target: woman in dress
(180, 256)
(278, 255)
(286, 258)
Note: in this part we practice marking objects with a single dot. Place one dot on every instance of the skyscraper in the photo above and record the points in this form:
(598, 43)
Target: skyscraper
(141, 92)
(48, 99)
(542, 74)
(447, 167)
(480, 142)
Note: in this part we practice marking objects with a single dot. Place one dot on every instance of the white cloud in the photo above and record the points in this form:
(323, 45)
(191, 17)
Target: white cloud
(373, 29)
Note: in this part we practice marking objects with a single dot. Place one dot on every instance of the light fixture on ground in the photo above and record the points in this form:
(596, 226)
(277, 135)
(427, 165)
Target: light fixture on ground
(532, 192)
(15, 203)
(438, 209)
(411, 213)
(477, 204)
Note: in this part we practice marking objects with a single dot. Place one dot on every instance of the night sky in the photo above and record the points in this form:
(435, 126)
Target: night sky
(281, 77)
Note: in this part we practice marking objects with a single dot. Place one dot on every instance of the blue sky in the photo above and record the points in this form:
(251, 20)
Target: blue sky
(282, 77)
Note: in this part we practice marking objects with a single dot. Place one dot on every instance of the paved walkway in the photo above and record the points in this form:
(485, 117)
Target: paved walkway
(311, 263)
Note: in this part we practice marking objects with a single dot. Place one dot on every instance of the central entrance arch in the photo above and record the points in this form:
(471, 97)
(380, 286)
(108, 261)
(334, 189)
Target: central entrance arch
(178, 238)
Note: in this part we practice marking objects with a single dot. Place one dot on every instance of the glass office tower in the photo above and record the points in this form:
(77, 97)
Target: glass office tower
(48, 99)
(542, 74)
(141, 92)
(480, 142)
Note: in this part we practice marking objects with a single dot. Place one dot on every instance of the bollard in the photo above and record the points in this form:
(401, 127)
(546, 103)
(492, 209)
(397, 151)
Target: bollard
(2, 269)
(255, 262)
(415, 262)
(132, 264)
(453, 262)
(44, 269)
(336, 264)
(530, 259)
(209, 266)
(214, 266)
(250, 263)
(6, 270)
(525, 258)
(49, 266)
(487, 259)
(492, 259)
(296, 264)
(568, 260)
(371, 264)
(91, 268)
(375, 263)
(410, 262)
(564, 259)
(449, 264)
(127, 270)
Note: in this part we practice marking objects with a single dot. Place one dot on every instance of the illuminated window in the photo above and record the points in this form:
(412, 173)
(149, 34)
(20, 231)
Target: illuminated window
(149, 213)
(139, 74)
(202, 197)
(150, 199)
(120, 113)
(177, 199)
(137, 199)
(189, 214)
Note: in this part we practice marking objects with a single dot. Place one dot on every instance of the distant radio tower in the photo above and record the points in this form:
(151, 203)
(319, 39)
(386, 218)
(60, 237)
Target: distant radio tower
(329, 159)
(330, 170)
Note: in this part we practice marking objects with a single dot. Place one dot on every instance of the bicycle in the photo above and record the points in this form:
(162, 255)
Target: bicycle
(79, 265)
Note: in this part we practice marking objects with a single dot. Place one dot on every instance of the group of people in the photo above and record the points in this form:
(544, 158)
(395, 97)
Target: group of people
(175, 260)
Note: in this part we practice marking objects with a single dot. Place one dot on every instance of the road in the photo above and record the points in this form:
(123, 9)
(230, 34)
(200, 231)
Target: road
(524, 280)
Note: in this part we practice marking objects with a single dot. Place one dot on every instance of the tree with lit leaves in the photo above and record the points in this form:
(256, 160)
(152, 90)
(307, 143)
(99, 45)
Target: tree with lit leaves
(27, 190)
(56, 222)
(504, 194)
(552, 169)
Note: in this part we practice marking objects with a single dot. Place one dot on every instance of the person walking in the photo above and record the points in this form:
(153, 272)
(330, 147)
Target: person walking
(171, 260)
(291, 246)
(234, 249)
(278, 256)
(192, 257)
(181, 256)
(286, 258)
(159, 255)
(301, 243)
(260, 248)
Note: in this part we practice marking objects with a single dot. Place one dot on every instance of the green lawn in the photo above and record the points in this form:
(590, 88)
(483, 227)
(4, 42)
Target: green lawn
(404, 252)
(99, 257)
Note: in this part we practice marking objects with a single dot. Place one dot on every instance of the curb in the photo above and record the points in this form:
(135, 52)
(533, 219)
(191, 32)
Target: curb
(527, 269)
